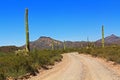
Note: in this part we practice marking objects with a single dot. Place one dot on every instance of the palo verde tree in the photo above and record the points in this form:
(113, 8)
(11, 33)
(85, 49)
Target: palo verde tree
(27, 31)
(103, 42)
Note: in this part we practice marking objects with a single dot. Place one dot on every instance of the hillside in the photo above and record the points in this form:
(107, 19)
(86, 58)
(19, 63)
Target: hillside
(112, 39)
(44, 43)
(8, 49)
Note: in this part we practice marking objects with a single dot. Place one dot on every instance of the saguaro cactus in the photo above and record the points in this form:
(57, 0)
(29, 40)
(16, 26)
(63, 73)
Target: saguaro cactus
(87, 42)
(103, 36)
(64, 45)
(27, 30)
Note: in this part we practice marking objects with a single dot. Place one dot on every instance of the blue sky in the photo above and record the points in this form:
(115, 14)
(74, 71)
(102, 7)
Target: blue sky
(73, 20)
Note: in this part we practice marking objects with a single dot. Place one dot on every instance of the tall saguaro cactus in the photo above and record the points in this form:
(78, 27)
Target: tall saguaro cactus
(27, 30)
(103, 42)
(64, 45)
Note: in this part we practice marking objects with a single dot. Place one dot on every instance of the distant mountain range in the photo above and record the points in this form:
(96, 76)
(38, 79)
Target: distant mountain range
(46, 43)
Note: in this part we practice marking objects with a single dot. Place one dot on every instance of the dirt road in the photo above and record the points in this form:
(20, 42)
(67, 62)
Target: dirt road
(76, 66)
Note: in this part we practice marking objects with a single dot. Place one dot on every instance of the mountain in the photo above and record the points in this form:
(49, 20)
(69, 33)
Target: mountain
(112, 39)
(8, 49)
(44, 43)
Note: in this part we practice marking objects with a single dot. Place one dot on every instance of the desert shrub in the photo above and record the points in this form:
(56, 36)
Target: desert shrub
(15, 66)
(12, 65)
(45, 57)
(109, 53)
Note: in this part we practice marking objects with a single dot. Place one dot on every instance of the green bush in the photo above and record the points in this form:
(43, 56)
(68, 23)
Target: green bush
(12, 65)
(110, 53)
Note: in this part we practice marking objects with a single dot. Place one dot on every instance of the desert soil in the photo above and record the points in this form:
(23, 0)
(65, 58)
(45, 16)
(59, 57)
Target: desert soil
(76, 66)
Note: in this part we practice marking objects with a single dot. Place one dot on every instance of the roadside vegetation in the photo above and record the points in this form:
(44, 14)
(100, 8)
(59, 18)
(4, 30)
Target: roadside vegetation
(110, 53)
(16, 66)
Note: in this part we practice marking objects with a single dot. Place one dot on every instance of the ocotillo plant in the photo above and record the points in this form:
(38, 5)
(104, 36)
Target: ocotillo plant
(64, 45)
(27, 31)
(52, 45)
(103, 36)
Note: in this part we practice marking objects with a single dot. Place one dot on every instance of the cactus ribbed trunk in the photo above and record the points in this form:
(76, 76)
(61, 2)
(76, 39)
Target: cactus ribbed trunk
(103, 36)
(64, 45)
(27, 30)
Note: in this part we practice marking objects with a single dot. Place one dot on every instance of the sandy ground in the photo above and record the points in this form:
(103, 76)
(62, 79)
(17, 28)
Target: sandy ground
(76, 66)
